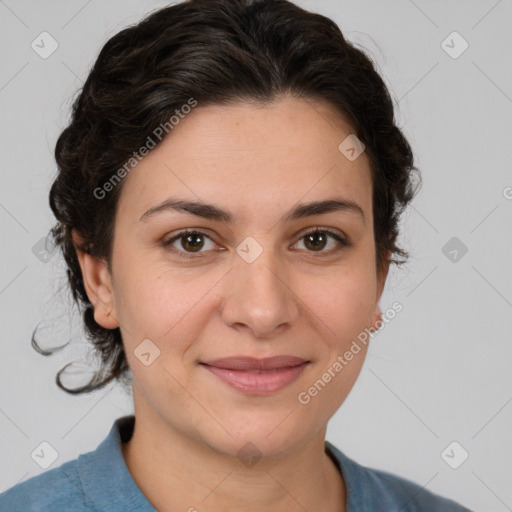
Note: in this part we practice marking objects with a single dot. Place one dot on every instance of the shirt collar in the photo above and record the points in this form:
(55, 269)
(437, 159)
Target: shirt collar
(359, 495)
(107, 481)
(105, 477)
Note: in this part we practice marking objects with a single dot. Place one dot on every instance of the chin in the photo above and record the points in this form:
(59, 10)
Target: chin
(256, 436)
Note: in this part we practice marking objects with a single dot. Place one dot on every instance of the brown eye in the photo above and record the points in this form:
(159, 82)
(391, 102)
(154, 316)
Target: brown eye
(318, 240)
(188, 242)
(315, 241)
(192, 242)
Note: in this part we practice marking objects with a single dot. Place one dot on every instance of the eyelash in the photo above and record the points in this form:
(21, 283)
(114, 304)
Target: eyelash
(167, 244)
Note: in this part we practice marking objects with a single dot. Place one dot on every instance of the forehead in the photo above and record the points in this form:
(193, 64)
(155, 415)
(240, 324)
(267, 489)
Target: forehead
(247, 155)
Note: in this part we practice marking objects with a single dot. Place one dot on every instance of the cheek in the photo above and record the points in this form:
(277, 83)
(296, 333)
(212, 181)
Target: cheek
(343, 302)
(351, 308)
(157, 302)
(155, 299)
(345, 312)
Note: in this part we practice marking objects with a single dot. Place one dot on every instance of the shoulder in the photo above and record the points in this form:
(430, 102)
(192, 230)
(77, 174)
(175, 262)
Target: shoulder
(55, 490)
(85, 483)
(410, 496)
(372, 489)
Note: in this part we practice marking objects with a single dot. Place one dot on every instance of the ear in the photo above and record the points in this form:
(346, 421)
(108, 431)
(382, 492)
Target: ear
(381, 281)
(98, 285)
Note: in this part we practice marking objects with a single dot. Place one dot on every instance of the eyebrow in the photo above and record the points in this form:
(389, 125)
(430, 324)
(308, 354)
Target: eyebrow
(212, 212)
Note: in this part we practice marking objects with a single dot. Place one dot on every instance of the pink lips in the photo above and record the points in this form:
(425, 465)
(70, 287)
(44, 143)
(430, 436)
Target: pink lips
(257, 376)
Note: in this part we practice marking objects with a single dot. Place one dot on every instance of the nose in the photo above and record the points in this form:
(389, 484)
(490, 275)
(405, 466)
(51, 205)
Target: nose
(259, 297)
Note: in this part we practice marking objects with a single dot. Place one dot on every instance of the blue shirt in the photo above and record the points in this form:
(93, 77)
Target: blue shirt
(100, 481)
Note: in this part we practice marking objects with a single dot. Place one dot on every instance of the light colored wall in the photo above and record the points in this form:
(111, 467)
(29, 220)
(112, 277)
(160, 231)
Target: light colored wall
(438, 373)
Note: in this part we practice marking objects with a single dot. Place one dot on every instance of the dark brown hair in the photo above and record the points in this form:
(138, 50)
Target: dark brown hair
(217, 52)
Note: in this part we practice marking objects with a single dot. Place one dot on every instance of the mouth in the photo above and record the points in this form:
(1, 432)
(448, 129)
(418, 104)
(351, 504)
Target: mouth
(254, 376)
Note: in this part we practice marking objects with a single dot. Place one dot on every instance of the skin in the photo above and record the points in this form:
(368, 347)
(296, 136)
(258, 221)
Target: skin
(257, 162)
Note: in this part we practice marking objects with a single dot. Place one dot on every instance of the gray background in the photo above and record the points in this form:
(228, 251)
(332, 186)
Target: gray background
(438, 373)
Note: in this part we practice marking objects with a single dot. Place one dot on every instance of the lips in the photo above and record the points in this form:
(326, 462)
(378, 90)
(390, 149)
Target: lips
(253, 376)
(249, 364)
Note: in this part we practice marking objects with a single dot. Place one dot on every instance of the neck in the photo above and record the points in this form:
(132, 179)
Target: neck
(177, 472)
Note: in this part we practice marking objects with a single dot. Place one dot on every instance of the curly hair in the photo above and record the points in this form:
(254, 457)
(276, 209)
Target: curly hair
(217, 52)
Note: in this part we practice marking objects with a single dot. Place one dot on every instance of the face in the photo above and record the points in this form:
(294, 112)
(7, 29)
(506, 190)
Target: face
(253, 282)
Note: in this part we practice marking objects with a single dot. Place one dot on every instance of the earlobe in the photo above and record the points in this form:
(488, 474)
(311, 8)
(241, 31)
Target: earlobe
(381, 281)
(98, 285)
(382, 276)
(377, 319)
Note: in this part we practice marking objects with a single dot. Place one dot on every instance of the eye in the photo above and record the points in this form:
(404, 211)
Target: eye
(318, 239)
(188, 242)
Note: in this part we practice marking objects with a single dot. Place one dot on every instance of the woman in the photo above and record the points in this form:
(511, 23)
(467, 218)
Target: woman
(228, 198)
